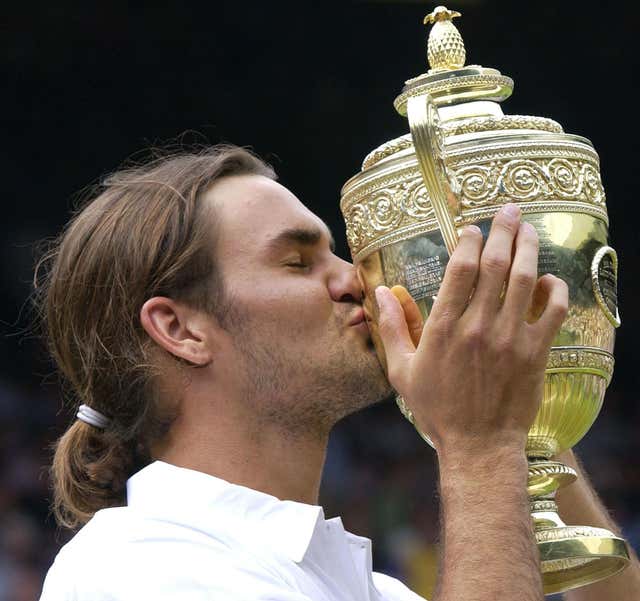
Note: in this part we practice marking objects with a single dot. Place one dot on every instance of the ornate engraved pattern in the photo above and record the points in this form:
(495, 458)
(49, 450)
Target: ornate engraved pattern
(527, 179)
(553, 534)
(567, 179)
(471, 216)
(387, 149)
(560, 147)
(550, 469)
(389, 209)
(542, 171)
(581, 359)
(538, 506)
(482, 83)
(480, 124)
(468, 126)
(460, 156)
(446, 49)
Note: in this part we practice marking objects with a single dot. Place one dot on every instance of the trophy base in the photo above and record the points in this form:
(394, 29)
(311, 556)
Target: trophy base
(574, 556)
(570, 556)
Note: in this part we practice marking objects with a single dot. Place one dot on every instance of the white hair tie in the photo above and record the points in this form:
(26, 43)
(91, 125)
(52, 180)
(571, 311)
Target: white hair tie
(92, 417)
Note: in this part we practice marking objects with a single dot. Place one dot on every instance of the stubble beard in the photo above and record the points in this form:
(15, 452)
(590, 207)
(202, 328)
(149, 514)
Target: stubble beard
(298, 392)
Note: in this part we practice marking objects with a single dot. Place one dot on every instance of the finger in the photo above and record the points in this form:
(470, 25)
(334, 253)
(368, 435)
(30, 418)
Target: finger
(394, 333)
(496, 259)
(538, 300)
(553, 293)
(412, 314)
(523, 275)
(392, 325)
(459, 277)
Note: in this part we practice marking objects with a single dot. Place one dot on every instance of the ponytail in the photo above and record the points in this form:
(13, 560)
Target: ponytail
(89, 472)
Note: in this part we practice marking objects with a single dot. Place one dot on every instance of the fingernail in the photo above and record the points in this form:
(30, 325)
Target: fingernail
(512, 210)
(471, 229)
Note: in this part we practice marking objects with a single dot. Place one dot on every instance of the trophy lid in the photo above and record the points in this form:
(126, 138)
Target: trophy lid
(467, 96)
(449, 81)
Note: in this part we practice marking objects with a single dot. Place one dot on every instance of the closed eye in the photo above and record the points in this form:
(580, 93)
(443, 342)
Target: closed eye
(298, 261)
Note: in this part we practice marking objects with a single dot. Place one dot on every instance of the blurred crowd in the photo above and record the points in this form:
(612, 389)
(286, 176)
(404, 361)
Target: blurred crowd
(380, 477)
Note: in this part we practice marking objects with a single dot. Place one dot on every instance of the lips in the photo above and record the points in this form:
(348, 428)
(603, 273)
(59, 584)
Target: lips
(358, 317)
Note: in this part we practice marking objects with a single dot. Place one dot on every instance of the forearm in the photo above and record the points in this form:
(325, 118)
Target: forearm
(579, 504)
(488, 547)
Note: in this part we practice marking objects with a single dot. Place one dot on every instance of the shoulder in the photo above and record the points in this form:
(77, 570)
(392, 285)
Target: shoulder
(392, 589)
(120, 555)
(81, 564)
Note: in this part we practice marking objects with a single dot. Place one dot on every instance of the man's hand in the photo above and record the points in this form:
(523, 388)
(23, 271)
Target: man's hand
(473, 378)
(476, 376)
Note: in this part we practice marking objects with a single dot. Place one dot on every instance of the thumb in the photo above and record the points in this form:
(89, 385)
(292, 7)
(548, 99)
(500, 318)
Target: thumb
(412, 314)
(393, 329)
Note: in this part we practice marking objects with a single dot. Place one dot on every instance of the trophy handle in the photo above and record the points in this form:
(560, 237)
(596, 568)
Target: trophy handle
(429, 147)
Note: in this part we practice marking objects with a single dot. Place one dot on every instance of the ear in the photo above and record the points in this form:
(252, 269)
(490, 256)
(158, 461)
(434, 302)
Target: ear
(180, 330)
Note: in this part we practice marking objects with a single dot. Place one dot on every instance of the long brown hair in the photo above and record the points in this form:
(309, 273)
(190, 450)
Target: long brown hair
(146, 233)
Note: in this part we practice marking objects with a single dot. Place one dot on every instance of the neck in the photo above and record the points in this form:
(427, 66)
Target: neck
(256, 455)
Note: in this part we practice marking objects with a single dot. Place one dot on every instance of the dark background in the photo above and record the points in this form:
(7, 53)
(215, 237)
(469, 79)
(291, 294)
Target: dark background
(309, 86)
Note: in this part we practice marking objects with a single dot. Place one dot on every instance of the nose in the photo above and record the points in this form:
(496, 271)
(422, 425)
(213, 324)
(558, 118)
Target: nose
(344, 285)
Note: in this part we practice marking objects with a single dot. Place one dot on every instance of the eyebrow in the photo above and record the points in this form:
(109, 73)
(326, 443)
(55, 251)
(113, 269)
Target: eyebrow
(304, 236)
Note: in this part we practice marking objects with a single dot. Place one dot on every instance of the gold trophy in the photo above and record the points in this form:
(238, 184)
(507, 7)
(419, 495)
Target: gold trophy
(463, 160)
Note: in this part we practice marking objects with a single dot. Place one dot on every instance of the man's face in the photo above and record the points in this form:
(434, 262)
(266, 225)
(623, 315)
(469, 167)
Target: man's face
(302, 350)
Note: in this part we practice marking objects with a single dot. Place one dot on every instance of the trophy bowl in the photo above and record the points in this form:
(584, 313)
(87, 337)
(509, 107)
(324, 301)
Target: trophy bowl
(462, 161)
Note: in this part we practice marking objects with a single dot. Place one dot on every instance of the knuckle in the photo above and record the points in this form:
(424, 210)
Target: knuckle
(533, 239)
(462, 268)
(529, 234)
(443, 326)
(523, 279)
(506, 224)
(559, 307)
(495, 262)
(504, 345)
(476, 336)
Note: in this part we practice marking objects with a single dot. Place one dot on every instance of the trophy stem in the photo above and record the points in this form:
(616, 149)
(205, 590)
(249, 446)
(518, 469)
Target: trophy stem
(570, 556)
(546, 477)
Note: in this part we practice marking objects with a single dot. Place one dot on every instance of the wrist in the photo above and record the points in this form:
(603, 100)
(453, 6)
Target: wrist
(495, 464)
(473, 448)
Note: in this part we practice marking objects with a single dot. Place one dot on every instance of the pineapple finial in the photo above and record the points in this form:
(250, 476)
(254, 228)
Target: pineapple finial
(445, 49)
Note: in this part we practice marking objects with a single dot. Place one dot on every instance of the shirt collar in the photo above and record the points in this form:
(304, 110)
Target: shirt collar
(219, 508)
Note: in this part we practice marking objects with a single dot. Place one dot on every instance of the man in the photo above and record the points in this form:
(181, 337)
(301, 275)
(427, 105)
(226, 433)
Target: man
(212, 340)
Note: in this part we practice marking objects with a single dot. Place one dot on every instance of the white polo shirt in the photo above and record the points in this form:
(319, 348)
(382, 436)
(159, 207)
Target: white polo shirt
(190, 536)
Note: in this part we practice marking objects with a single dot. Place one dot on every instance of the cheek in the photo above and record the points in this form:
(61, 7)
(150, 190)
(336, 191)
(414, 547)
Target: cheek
(290, 307)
